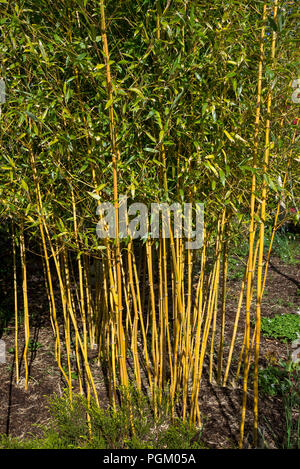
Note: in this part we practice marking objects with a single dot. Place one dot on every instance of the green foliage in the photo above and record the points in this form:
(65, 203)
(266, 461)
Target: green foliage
(287, 247)
(274, 380)
(110, 429)
(291, 401)
(284, 327)
(284, 381)
(236, 269)
(33, 345)
(191, 88)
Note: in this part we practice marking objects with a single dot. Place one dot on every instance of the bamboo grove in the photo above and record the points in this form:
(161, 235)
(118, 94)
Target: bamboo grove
(161, 101)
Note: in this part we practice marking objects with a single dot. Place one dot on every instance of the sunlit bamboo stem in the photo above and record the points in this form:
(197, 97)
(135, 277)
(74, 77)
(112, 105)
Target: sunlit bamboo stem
(251, 229)
(261, 243)
(15, 300)
(25, 304)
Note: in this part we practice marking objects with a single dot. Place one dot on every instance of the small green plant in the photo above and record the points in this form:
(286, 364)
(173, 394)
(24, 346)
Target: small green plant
(34, 345)
(284, 327)
(283, 381)
(271, 380)
(236, 269)
(74, 375)
(133, 425)
(280, 302)
(291, 401)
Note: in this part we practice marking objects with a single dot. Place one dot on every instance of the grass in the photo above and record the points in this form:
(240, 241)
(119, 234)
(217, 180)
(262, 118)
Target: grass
(132, 426)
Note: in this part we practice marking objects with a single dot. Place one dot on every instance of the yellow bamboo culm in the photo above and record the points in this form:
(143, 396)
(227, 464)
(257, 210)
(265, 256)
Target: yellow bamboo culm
(143, 329)
(275, 224)
(251, 229)
(25, 305)
(42, 225)
(63, 266)
(15, 300)
(223, 318)
(115, 157)
(71, 313)
(236, 321)
(220, 232)
(261, 243)
(154, 342)
(198, 320)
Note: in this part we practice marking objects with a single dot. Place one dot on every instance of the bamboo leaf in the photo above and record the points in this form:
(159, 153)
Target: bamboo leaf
(228, 135)
(94, 195)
